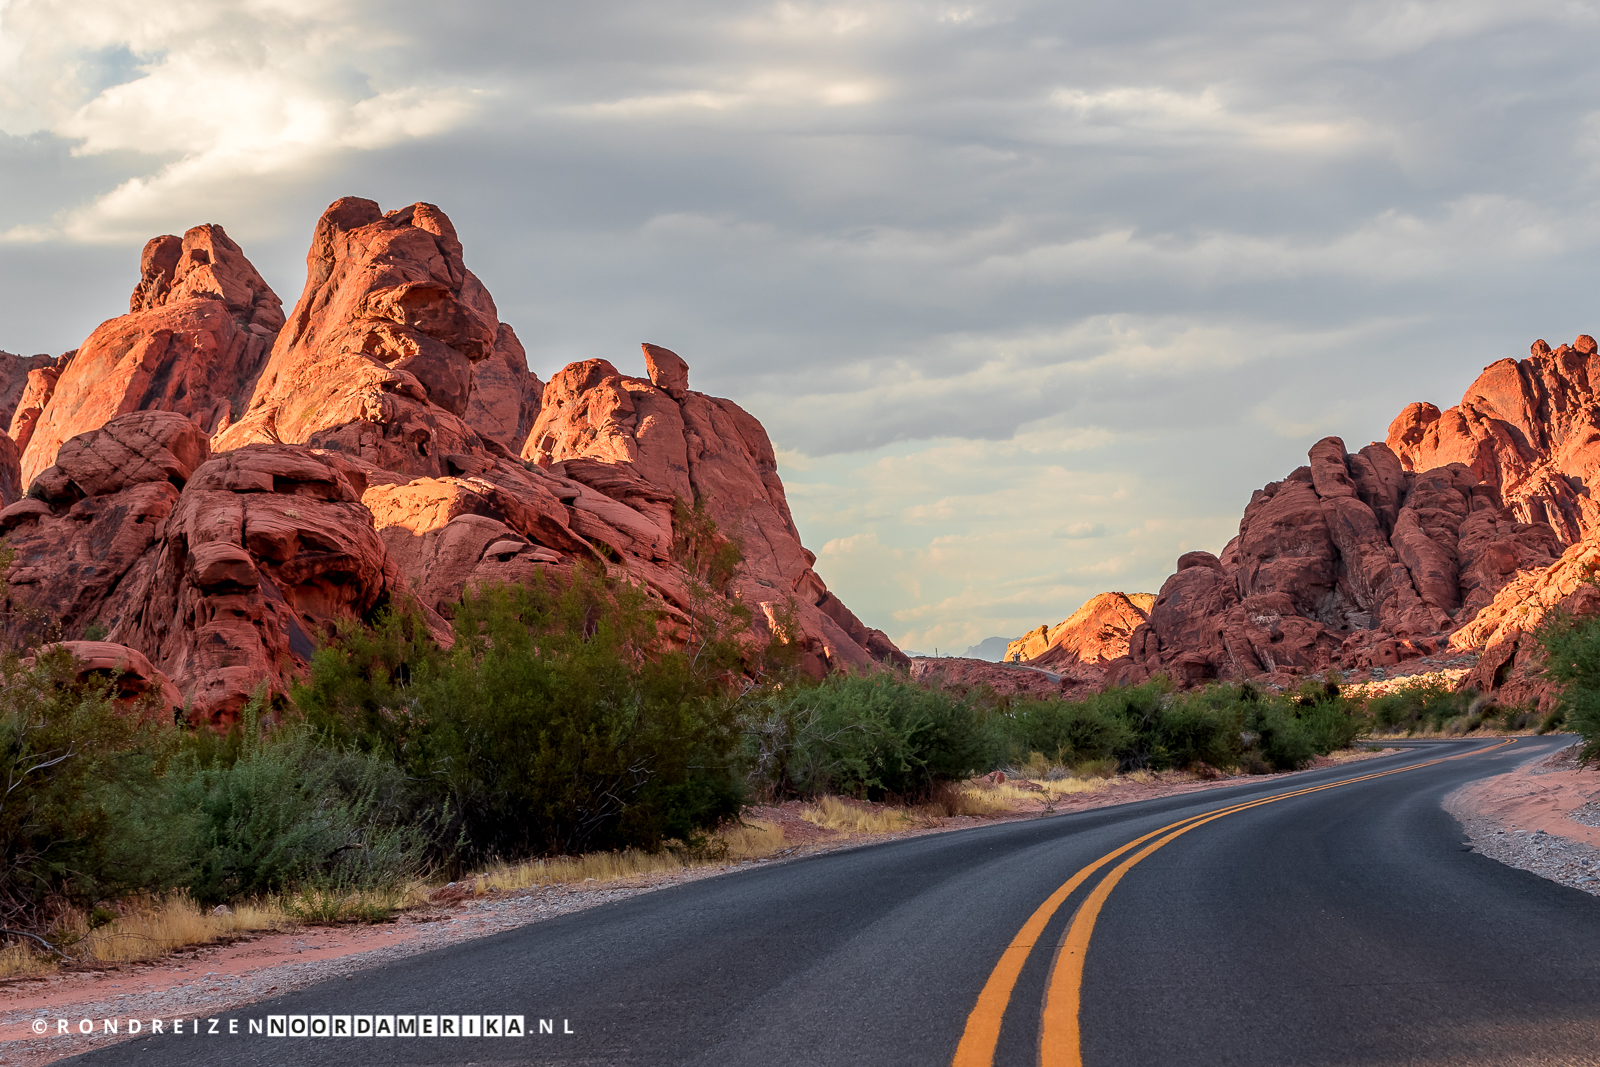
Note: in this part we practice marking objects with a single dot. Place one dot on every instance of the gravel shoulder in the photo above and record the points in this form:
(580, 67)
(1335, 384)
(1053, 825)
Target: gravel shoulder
(1543, 817)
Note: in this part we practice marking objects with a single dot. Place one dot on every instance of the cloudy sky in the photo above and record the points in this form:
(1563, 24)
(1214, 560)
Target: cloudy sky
(1029, 295)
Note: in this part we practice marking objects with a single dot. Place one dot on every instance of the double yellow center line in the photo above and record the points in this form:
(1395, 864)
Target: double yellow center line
(1060, 1042)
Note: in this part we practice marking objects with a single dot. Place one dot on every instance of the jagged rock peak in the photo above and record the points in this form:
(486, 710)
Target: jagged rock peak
(377, 357)
(204, 263)
(200, 325)
(1530, 428)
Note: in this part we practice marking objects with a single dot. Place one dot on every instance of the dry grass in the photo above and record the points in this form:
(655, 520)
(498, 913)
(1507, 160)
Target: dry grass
(17, 961)
(836, 813)
(748, 841)
(1064, 786)
(145, 929)
(155, 927)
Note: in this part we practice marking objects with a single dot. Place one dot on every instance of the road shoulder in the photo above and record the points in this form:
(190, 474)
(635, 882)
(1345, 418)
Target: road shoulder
(1542, 817)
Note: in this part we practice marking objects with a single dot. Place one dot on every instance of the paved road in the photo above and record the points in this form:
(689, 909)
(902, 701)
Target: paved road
(1344, 926)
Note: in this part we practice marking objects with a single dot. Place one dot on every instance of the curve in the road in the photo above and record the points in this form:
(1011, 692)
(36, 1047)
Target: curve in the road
(1347, 926)
(1060, 1043)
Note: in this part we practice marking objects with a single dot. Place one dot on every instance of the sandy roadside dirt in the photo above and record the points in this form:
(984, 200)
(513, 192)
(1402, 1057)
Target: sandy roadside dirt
(1543, 817)
(214, 981)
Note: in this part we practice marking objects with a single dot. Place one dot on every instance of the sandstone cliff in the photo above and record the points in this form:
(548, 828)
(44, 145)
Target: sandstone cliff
(1445, 537)
(215, 488)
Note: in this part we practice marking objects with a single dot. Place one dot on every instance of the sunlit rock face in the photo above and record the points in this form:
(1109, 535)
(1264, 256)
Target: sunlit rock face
(199, 326)
(239, 485)
(1350, 562)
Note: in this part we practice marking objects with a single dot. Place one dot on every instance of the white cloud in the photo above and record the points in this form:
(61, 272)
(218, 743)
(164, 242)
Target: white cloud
(221, 97)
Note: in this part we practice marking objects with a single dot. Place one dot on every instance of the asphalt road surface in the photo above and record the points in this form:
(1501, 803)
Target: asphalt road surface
(1343, 925)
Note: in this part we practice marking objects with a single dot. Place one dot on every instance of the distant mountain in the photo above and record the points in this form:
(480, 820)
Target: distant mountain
(992, 649)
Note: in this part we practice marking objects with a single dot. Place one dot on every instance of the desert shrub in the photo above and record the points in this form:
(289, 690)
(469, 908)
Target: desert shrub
(275, 809)
(1425, 704)
(80, 780)
(1069, 732)
(1572, 659)
(1278, 737)
(867, 737)
(1203, 727)
(558, 722)
(1151, 727)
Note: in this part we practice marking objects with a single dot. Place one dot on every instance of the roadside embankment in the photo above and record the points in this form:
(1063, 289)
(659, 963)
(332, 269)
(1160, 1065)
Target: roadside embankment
(1543, 817)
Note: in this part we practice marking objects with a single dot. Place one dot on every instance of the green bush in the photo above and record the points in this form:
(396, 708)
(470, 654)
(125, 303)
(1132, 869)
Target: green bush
(865, 736)
(557, 723)
(1572, 658)
(271, 810)
(1203, 727)
(1430, 704)
(1071, 732)
(80, 781)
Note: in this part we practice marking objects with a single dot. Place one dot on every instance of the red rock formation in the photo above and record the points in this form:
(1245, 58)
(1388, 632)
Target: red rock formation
(1349, 562)
(1529, 428)
(37, 389)
(1511, 663)
(372, 466)
(1088, 640)
(376, 360)
(132, 672)
(222, 570)
(200, 322)
(16, 375)
(506, 395)
(660, 434)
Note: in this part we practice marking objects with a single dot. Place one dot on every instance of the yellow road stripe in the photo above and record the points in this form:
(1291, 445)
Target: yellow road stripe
(1060, 1039)
(982, 1032)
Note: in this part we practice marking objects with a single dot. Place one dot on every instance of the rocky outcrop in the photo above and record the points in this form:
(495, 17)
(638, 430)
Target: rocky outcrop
(37, 389)
(376, 360)
(16, 375)
(1351, 562)
(1511, 662)
(200, 323)
(223, 571)
(373, 465)
(611, 432)
(1528, 428)
(137, 684)
(1087, 641)
(506, 395)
